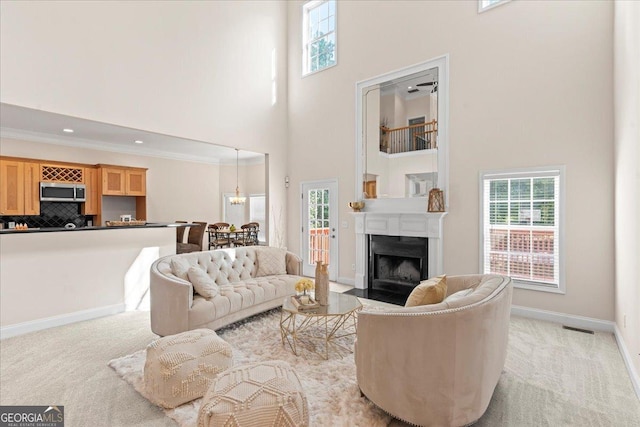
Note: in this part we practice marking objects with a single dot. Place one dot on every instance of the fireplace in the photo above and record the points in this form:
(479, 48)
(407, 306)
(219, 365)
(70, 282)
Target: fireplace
(397, 263)
(428, 226)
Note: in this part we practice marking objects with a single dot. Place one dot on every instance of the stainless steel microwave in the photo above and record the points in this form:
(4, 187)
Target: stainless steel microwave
(59, 192)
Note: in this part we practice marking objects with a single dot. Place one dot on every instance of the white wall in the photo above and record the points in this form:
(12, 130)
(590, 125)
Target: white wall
(627, 173)
(199, 70)
(97, 269)
(530, 85)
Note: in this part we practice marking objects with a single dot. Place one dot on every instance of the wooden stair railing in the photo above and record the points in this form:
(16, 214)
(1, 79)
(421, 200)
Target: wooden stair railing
(416, 137)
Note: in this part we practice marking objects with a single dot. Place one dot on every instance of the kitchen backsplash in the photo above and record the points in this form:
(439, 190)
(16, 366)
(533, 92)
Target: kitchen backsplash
(52, 214)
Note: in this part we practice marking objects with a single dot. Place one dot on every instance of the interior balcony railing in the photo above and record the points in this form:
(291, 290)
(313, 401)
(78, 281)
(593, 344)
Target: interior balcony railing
(422, 136)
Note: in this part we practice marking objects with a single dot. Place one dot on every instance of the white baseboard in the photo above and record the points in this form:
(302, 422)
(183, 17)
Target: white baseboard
(565, 319)
(63, 319)
(628, 361)
(346, 281)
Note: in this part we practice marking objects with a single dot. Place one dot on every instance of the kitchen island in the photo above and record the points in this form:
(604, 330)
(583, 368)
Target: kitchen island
(51, 277)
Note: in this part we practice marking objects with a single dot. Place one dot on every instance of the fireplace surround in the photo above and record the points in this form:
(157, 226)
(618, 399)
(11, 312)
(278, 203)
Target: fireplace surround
(425, 224)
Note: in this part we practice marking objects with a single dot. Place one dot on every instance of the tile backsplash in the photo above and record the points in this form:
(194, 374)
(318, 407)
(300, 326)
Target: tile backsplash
(52, 214)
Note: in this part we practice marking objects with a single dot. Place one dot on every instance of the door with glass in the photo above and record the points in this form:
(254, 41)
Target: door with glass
(319, 231)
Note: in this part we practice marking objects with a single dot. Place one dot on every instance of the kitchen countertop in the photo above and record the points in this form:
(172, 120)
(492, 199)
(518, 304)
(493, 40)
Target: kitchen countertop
(57, 229)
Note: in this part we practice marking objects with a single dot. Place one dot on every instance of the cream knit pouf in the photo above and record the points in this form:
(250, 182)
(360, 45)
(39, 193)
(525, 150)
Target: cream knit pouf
(179, 368)
(259, 394)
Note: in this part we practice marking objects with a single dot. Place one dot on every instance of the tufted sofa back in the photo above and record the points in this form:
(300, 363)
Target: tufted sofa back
(224, 266)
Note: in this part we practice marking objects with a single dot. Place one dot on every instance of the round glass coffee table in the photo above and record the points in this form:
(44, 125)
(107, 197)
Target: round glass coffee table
(320, 329)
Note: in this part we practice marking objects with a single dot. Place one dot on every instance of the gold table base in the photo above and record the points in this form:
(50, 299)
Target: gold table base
(317, 333)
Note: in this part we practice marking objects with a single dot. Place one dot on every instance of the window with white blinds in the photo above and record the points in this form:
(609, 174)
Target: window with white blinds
(521, 230)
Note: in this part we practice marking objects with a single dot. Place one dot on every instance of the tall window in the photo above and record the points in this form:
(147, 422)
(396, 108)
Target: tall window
(319, 36)
(522, 227)
(489, 4)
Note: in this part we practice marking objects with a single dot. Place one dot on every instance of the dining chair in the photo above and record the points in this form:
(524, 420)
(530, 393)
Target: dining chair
(180, 232)
(246, 238)
(219, 235)
(195, 238)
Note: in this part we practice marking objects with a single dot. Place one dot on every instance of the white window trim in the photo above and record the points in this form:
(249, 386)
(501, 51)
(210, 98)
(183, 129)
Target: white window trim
(530, 172)
(491, 6)
(305, 25)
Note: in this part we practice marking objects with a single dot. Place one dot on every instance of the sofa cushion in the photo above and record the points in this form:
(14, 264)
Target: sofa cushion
(202, 283)
(457, 296)
(430, 291)
(271, 261)
(180, 267)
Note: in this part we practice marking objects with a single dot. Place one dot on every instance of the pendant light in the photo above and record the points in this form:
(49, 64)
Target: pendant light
(237, 200)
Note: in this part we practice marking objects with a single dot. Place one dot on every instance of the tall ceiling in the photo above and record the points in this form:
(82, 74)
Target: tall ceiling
(35, 125)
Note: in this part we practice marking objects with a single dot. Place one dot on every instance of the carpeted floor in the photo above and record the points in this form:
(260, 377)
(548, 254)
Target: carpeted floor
(553, 377)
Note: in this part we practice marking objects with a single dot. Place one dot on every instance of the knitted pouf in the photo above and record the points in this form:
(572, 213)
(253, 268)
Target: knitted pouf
(179, 368)
(259, 394)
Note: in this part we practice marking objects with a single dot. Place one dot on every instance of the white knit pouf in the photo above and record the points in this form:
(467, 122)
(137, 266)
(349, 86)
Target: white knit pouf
(179, 368)
(259, 394)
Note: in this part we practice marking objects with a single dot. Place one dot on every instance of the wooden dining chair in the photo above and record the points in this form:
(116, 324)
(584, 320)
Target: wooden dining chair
(246, 238)
(217, 237)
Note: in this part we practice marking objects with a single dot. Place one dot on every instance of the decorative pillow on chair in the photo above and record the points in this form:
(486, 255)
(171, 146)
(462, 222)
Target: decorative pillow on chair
(430, 291)
(271, 261)
(202, 283)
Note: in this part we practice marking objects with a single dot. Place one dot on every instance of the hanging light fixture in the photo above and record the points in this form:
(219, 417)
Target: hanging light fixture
(237, 200)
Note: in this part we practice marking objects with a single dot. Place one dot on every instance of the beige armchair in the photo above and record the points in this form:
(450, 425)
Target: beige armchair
(438, 364)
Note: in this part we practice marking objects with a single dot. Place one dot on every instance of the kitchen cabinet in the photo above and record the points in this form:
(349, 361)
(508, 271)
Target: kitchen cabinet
(113, 181)
(91, 205)
(19, 182)
(136, 182)
(31, 188)
(118, 181)
(12, 187)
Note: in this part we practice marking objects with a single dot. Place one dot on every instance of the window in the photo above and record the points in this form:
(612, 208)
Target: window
(521, 233)
(319, 36)
(489, 4)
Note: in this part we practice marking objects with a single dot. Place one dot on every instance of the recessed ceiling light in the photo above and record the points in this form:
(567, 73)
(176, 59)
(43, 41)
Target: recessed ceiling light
(137, 141)
(67, 130)
(409, 87)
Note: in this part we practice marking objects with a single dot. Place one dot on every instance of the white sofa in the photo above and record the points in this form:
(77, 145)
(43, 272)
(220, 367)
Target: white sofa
(248, 280)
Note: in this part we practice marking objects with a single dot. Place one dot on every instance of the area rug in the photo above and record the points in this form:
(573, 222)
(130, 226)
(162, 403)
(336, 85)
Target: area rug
(330, 385)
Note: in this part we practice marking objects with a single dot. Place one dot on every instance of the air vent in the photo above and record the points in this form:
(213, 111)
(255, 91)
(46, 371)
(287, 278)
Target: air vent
(571, 328)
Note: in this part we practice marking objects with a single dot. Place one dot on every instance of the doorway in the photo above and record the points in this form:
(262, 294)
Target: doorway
(319, 231)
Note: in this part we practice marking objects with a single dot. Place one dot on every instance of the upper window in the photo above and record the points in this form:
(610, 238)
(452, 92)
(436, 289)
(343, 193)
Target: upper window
(489, 4)
(319, 36)
(522, 227)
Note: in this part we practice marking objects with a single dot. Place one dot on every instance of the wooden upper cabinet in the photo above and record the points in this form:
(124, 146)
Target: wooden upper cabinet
(91, 206)
(31, 188)
(11, 187)
(136, 182)
(113, 182)
(123, 181)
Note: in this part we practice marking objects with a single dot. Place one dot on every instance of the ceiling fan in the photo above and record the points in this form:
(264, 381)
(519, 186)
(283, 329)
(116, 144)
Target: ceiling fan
(434, 84)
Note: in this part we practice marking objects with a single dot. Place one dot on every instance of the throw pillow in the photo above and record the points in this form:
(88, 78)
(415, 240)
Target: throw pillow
(271, 261)
(430, 291)
(202, 283)
(179, 267)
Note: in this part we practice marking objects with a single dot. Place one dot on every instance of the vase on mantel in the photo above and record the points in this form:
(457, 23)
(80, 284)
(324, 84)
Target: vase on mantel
(322, 283)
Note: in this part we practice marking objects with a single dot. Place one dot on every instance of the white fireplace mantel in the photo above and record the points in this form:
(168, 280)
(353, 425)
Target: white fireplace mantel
(429, 225)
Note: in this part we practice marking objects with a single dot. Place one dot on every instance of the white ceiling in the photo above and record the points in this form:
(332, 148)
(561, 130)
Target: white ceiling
(41, 126)
(401, 86)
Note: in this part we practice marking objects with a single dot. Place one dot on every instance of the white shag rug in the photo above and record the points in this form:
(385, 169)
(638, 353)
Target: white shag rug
(330, 385)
